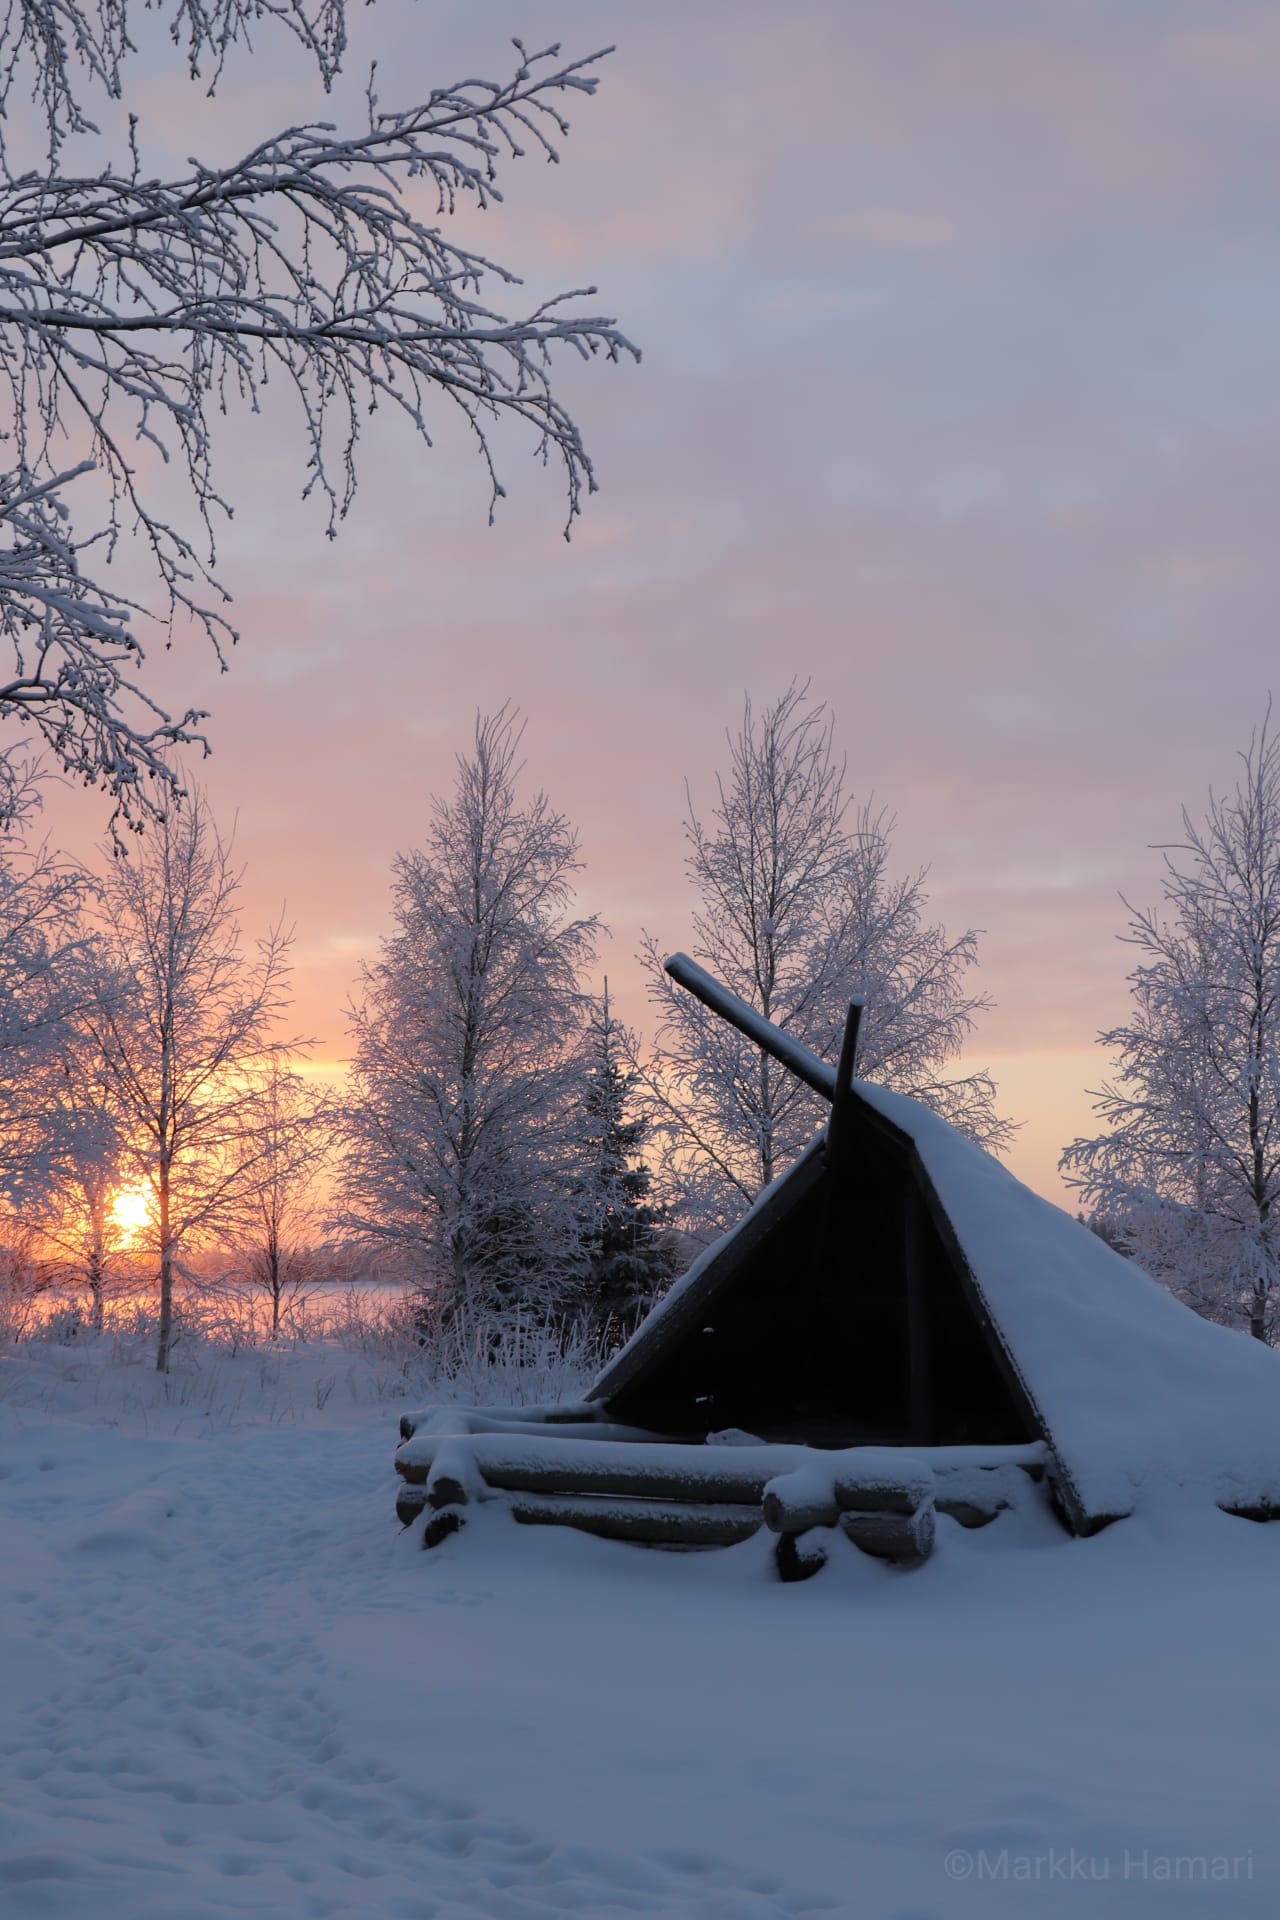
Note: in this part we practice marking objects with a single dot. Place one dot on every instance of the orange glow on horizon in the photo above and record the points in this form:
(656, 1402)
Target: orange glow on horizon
(131, 1211)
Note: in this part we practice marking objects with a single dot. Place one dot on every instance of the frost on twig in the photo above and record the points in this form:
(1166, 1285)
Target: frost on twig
(73, 657)
(1184, 1172)
(798, 911)
(135, 310)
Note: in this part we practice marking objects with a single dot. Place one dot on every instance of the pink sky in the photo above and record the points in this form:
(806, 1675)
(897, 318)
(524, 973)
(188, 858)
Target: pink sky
(959, 398)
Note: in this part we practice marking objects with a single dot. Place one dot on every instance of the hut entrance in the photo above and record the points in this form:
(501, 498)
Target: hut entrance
(843, 1323)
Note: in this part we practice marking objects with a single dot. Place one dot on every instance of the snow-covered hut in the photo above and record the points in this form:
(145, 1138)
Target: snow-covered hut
(898, 1287)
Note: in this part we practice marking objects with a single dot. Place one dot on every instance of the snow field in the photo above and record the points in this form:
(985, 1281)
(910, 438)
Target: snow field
(234, 1687)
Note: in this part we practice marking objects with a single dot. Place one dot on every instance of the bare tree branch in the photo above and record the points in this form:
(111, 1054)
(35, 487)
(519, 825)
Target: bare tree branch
(1185, 1171)
(135, 311)
(797, 912)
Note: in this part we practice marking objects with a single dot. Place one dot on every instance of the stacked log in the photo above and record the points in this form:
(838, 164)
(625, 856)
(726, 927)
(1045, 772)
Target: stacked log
(974, 1495)
(656, 1523)
(798, 1556)
(883, 1501)
(661, 1493)
(571, 1422)
(904, 1538)
(410, 1502)
(609, 1481)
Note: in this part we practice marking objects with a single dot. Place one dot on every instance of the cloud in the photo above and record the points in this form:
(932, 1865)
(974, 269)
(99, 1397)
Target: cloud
(959, 397)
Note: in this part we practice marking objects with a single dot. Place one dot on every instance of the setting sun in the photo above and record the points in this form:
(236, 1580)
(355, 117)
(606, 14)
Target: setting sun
(131, 1213)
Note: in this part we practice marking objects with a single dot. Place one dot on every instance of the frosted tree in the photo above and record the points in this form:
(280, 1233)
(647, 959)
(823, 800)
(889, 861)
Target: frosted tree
(189, 1026)
(1187, 1165)
(73, 1208)
(277, 1224)
(461, 1145)
(45, 981)
(799, 911)
(136, 309)
(629, 1248)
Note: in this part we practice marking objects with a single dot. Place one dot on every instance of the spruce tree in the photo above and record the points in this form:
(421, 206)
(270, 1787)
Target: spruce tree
(630, 1251)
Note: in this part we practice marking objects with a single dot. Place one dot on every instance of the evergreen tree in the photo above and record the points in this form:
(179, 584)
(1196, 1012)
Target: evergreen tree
(630, 1250)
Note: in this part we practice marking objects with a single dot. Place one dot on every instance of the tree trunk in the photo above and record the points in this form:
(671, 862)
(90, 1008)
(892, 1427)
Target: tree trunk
(766, 1125)
(166, 1271)
(273, 1267)
(1261, 1192)
(96, 1289)
(1258, 1315)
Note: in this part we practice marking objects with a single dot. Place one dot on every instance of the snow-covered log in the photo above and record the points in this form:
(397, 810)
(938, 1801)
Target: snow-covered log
(863, 1477)
(441, 1525)
(906, 1538)
(863, 1480)
(453, 1479)
(517, 1463)
(557, 1413)
(882, 1481)
(410, 1502)
(669, 1493)
(571, 1422)
(795, 1502)
(675, 1523)
(798, 1556)
(975, 1495)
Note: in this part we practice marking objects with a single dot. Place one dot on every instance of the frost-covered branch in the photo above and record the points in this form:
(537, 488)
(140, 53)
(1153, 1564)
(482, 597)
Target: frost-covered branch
(53, 49)
(137, 310)
(1186, 1168)
(798, 911)
(73, 656)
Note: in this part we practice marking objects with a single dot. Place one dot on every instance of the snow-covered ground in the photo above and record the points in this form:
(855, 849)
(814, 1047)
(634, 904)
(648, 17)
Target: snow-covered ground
(231, 1685)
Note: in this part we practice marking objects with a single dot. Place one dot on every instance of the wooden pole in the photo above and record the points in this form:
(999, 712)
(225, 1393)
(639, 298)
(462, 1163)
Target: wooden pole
(838, 1127)
(792, 1053)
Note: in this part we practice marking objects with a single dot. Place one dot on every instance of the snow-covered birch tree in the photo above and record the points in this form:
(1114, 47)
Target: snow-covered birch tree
(461, 1147)
(45, 981)
(137, 307)
(73, 1206)
(799, 911)
(1187, 1164)
(276, 1225)
(188, 1026)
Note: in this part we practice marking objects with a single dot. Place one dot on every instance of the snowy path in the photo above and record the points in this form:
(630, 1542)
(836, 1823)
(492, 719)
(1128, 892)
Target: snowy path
(231, 1687)
(172, 1739)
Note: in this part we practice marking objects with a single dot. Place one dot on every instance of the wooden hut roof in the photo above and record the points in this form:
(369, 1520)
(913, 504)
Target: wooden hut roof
(1129, 1388)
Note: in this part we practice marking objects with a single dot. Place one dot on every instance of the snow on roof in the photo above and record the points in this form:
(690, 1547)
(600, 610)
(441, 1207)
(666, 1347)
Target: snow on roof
(1131, 1385)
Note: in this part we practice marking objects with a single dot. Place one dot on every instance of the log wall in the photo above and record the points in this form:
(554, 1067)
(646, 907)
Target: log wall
(586, 1475)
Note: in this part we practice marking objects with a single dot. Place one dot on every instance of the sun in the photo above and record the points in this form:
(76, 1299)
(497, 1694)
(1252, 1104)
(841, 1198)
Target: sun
(131, 1214)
